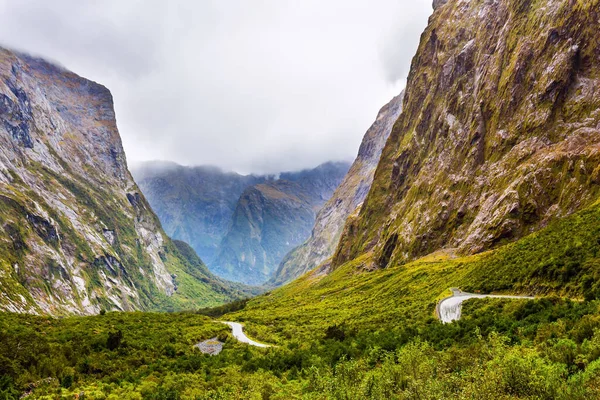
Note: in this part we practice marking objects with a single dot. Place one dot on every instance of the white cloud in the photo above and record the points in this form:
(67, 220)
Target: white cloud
(253, 86)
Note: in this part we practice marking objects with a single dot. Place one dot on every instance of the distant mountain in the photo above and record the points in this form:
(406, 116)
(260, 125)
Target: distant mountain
(348, 196)
(76, 234)
(194, 204)
(272, 218)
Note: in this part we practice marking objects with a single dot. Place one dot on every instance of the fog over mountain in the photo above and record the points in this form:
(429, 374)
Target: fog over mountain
(247, 86)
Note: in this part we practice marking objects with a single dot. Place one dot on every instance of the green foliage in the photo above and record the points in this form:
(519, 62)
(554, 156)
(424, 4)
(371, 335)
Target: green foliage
(335, 332)
(54, 355)
(562, 258)
(114, 339)
(352, 334)
(219, 311)
(541, 349)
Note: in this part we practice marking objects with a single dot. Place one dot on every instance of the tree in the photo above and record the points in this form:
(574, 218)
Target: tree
(114, 339)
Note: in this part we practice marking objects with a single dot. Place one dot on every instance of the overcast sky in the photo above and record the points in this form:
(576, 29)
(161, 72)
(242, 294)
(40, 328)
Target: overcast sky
(251, 86)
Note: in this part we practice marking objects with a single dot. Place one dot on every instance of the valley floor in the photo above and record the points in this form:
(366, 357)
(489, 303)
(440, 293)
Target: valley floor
(353, 334)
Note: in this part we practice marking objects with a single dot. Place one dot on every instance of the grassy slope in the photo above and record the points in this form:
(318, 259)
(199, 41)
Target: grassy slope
(353, 334)
(562, 259)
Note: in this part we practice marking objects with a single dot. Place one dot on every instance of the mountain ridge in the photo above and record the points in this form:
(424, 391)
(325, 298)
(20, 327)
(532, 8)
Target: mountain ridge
(77, 234)
(499, 134)
(347, 197)
(195, 204)
(273, 217)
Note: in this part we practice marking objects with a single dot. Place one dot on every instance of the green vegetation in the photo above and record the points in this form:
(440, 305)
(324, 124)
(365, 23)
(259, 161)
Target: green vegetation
(353, 334)
(563, 258)
(492, 145)
(101, 209)
(219, 311)
(539, 349)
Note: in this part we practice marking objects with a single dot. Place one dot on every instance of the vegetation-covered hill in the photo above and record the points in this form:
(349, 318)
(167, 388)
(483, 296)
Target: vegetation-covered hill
(76, 235)
(500, 132)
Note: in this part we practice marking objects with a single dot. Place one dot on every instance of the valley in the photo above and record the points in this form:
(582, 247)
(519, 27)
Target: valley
(241, 226)
(376, 324)
(479, 182)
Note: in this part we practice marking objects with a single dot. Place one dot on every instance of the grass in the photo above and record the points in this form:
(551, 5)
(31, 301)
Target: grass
(352, 334)
(561, 259)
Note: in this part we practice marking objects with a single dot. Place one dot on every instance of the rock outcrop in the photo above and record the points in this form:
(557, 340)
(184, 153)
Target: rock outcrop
(76, 235)
(499, 135)
(330, 220)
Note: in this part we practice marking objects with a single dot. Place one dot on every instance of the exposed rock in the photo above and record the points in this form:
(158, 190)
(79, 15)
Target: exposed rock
(64, 180)
(499, 133)
(134, 199)
(347, 197)
(109, 235)
(438, 3)
(43, 228)
(211, 346)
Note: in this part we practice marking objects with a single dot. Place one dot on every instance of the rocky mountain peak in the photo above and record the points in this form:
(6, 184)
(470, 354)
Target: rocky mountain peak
(76, 235)
(499, 133)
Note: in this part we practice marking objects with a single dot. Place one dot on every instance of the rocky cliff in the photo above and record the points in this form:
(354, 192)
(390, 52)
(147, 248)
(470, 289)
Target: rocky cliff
(271, 219)
(499, 135)
(347, 197)
(194, 204)
(76, 234)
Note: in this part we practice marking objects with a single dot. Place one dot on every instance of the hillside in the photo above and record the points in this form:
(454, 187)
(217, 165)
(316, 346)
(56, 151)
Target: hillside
(500, 132)
(194, 204)
(351, 334)
(351, 192)
(271, 219)
(356, 298)
(487, 183)
(76, 234)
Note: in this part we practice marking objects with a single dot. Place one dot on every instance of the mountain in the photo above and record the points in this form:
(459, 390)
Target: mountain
(272, 218)
(347, 197)
(76, 234)
(499, 136)
(369, 328)
(237, 222)
(194, 204)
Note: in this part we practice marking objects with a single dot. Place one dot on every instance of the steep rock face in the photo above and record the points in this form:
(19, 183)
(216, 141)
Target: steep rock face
(76, 235)
(347, 197)
(500, 131)
(194, 204)
(272, 218)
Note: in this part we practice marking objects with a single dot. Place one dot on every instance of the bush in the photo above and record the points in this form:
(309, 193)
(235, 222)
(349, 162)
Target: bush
(335, 332)
(114, 339)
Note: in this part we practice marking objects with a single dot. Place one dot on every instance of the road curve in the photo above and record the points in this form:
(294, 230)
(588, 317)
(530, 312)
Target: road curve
(238, 332)
(449, 309)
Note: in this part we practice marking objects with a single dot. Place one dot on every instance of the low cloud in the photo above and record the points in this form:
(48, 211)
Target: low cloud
(262, 86)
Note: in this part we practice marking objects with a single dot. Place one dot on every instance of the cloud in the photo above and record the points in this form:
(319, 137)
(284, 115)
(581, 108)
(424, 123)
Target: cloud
(260, 86)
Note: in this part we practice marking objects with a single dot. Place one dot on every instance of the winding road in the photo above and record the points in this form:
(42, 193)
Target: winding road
(238, 332)
(449, 309)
